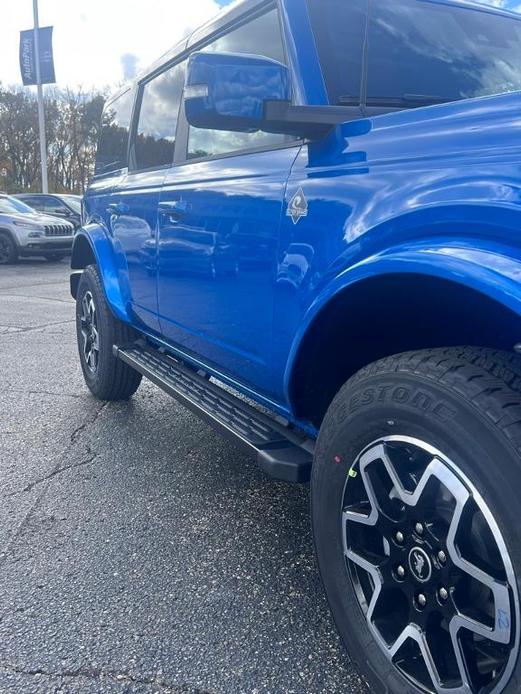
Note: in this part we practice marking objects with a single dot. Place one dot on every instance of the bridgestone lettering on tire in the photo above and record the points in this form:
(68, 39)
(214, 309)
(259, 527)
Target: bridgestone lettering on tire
(98, 331)
(415, 508)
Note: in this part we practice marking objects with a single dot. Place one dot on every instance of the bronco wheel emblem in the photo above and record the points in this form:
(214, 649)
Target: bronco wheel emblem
(298, 207)
(420, 564)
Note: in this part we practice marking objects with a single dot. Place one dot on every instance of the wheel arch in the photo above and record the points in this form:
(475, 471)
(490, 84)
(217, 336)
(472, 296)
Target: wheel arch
(6, 230)
(390, 305)
(92, 247)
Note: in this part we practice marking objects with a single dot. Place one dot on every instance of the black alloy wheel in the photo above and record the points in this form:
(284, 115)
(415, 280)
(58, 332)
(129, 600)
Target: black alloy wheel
(430, 568)
(415, 512)
(89, 332)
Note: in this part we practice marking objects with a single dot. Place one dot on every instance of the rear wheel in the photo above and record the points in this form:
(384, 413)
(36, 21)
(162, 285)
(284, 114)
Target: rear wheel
(8, 249)
(107, 377)
(415, 507)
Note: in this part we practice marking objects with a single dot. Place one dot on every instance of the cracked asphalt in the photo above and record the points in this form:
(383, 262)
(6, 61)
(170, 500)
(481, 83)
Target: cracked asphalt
(139, 551)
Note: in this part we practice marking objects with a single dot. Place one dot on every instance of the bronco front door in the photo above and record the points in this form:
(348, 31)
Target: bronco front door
(219, 220)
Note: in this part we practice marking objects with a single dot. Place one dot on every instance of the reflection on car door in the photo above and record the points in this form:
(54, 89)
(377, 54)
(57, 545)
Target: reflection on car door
(218, 230)
(218, 238)
(135, 212)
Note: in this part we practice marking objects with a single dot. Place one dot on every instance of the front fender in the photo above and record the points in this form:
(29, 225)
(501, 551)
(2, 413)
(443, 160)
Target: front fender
(113, 272)
(490, 268)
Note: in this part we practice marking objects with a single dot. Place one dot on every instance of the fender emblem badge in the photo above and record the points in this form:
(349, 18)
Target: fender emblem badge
(298, 207)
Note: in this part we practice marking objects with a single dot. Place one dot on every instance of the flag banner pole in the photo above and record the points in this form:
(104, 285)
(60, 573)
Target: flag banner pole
(41, 112)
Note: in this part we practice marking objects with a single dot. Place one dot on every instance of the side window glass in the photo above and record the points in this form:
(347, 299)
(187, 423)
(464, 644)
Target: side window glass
(154, 142)
(428, 53)
(339, 28)
(53, 205)
(115, 127)
(261, 36)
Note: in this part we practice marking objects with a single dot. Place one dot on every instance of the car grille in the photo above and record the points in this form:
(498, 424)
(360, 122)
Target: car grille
(58, 230)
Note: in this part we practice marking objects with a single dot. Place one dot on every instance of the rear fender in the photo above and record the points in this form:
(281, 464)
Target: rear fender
(111, 267)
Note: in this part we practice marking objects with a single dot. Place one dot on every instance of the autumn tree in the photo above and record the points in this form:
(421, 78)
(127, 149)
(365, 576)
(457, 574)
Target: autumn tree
(72, 127)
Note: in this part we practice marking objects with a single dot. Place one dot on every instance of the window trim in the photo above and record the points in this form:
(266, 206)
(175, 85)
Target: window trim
(241, 152)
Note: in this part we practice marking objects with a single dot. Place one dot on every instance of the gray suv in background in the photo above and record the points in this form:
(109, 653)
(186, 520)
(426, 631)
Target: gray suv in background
(25, 232)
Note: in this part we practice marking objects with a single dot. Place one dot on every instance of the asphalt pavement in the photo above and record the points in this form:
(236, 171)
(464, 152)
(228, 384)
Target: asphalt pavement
(139, 551)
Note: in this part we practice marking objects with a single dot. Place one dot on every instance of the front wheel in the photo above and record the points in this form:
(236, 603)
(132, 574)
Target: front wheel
(107, 377)
(415, 509)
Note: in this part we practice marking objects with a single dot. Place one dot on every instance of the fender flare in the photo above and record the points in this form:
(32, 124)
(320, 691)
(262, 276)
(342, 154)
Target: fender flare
(114, 276)
(492, 269)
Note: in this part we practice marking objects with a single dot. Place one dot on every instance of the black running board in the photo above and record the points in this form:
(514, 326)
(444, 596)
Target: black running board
(282, 452)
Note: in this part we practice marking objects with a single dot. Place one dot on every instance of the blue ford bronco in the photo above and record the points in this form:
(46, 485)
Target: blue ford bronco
(305, 224)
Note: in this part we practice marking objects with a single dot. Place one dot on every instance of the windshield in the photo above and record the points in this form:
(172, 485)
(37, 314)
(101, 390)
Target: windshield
(73, 202)
(10, 205)
(419, 52)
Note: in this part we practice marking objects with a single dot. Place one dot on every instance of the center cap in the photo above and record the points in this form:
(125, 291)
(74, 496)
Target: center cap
(420, 564)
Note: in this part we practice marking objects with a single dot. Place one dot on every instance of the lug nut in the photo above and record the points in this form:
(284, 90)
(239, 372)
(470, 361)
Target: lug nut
(422, 600)
(443, 594)
(419, 528)
(399, 537)
(400, 571)
(442, 557)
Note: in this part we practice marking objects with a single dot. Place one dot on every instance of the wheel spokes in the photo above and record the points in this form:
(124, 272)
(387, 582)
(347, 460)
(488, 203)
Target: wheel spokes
(89, 331)
(414, 633)
(501, 631)
(460, 652)
(374, 571)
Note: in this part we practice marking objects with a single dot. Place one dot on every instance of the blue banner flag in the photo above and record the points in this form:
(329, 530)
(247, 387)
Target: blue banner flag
(28, 56)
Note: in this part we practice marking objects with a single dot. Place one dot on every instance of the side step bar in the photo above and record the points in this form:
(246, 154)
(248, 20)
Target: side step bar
(282, 452)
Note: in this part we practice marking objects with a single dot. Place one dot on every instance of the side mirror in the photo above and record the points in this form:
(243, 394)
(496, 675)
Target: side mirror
(228, 91)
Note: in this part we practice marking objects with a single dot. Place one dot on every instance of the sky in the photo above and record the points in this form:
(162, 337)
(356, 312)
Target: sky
(100, 43)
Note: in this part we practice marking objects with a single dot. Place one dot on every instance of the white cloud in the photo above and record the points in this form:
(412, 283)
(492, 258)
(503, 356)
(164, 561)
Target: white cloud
(93, 40)
(503, 4)
(97, 42)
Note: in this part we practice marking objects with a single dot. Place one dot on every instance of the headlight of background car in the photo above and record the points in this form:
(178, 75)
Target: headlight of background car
(28, 225)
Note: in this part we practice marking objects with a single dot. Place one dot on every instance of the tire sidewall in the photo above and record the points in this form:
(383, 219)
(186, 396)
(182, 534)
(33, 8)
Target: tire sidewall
(89, 282)
(381, 405)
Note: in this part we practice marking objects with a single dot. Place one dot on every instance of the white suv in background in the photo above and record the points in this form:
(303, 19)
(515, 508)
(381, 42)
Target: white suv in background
(25, 232)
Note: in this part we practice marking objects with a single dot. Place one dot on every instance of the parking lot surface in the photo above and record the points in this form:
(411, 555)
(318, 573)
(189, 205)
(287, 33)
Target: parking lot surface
(139, 551)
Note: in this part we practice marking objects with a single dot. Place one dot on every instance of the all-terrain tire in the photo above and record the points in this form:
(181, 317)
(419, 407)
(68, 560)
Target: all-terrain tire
(464, 403)
(107, 377)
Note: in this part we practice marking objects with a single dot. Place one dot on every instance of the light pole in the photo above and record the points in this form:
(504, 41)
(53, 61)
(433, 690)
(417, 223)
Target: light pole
(41, 112)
